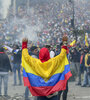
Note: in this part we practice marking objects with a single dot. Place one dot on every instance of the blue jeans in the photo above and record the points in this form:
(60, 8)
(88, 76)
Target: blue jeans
(4, 78)
(88, 75)
(16, 67)
(85, 81)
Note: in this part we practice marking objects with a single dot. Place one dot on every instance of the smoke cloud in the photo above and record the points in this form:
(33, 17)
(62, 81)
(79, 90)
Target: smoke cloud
(29, 31)
(4, 7)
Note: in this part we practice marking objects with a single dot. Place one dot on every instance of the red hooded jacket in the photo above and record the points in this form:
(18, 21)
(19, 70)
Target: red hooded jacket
(44, 54)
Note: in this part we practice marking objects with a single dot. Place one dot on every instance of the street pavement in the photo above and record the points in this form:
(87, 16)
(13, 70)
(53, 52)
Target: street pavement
(74, 93)
(78, 92)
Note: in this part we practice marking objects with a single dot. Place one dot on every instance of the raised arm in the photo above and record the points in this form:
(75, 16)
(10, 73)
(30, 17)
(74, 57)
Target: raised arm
(59, 57)
(25, 53)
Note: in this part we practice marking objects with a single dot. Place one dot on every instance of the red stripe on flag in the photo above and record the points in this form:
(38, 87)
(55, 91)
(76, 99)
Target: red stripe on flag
(47, 90)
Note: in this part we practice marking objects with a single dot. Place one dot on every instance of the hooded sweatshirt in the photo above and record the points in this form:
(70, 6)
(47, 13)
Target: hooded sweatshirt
(44, 54)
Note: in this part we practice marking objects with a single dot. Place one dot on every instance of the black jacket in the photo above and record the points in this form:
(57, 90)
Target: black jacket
(75, 56)
(17, 57)
(4, 63)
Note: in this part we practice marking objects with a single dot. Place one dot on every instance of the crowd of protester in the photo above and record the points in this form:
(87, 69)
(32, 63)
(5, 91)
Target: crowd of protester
(55, 21)
(78, 56)
(52, 18)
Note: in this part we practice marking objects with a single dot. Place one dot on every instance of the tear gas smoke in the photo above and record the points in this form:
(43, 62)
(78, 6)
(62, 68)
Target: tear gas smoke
(4, 7)
(30, 31)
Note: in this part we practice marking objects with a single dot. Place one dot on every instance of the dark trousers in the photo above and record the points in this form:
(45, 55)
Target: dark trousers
(26, 92)
(45, 98)
(64, 96)
(16, 67)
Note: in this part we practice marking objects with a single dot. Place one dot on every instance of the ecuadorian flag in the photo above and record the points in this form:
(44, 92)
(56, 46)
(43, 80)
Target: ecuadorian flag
(46, 78)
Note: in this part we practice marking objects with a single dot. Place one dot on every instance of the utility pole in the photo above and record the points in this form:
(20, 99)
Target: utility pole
(74, 30)
(73, 18)
(14, 8)
(28, 1)
(28, 4)
(73, 15)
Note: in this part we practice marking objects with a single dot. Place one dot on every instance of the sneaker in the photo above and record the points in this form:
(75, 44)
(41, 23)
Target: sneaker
(6, 96)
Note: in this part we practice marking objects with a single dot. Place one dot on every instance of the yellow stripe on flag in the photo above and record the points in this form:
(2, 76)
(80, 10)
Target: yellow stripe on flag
(47, 69)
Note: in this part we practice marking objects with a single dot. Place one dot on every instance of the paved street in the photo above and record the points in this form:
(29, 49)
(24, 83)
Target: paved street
(78, 93)
(75, 92)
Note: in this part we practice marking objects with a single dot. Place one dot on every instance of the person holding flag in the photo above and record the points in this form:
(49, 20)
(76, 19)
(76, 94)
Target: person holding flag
(45, 76)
